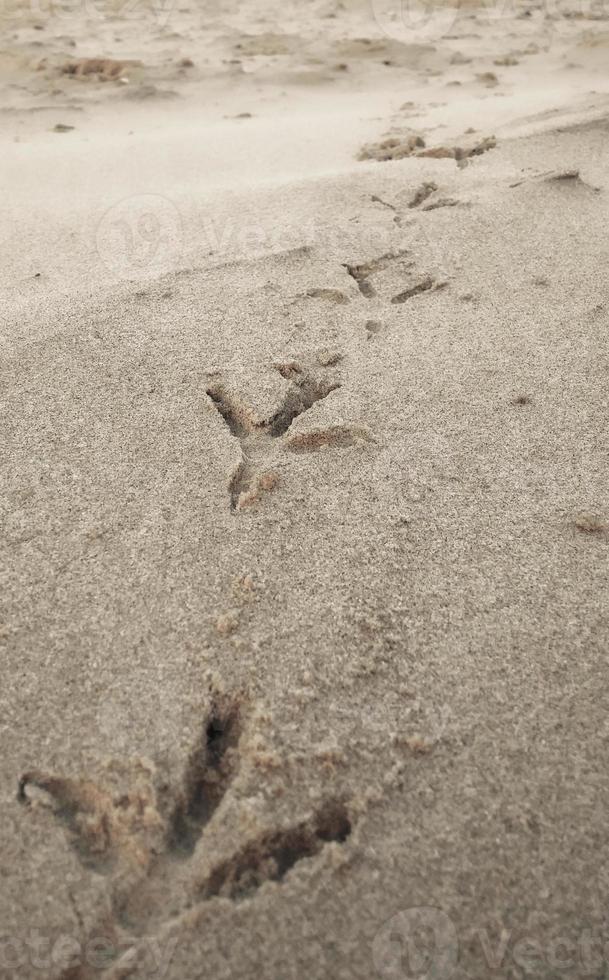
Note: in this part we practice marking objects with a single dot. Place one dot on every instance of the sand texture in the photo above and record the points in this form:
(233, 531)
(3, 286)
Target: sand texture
(304, 441)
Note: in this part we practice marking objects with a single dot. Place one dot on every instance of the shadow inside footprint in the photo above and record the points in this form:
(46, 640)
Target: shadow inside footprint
(209, 771)
(271, 856)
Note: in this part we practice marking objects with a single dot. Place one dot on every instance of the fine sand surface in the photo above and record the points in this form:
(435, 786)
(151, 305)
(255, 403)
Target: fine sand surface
(305, 491)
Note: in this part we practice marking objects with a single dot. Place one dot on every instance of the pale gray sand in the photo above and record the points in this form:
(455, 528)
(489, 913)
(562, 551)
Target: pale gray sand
(252, 730)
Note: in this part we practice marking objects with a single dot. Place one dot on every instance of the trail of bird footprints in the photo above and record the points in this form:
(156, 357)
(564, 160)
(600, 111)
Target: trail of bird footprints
(144, 837)
(311, 380)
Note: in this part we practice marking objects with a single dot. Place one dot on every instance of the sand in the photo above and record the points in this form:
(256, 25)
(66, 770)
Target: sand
(305, 509)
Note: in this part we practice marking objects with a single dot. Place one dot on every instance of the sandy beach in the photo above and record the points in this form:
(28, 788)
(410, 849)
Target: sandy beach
(304, 609)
